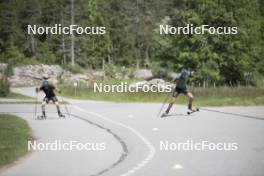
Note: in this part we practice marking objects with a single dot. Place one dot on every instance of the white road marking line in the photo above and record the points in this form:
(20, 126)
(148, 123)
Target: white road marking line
(177, 167)
(151, 148)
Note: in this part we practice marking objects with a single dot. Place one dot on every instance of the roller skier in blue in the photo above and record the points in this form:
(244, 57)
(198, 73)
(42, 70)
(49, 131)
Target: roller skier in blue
(181, 88)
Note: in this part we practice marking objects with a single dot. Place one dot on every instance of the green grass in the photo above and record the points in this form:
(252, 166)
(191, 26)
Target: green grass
(14, 135)
(12, 95)
(220, 96)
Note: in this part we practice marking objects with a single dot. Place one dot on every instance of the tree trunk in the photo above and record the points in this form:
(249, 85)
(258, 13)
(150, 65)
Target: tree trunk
(103, 64)
(137, 66)
(72, 35)
(147, 62)
(33, 49)
(64, 61)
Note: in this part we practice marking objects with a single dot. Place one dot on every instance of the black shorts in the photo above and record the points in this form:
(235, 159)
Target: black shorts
(53, 99)
(178, 91)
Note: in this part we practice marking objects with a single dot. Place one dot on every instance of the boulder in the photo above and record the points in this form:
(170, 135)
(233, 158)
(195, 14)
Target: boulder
(72, 78)
(156, 81)
(173, 75)
(32, 74)
(143, 74)
(2, 67)
(138, 84)
(98, 74)
(119, 75)
(157, 84)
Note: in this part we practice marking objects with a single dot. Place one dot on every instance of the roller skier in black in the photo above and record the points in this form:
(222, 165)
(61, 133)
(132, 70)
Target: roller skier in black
(49, 89)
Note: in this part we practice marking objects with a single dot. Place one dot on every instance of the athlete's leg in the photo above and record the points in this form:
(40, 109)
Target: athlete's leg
(55, 100)
(173, 100)
(58, 107)
(190, 96)
(43, 107)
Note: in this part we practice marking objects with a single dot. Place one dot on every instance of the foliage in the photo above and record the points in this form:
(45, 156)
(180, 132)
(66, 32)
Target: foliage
(219, 96)
(133, 40)
(4, 84)
(4, 88)
(217, 58)
(74, 69)
(14, 135)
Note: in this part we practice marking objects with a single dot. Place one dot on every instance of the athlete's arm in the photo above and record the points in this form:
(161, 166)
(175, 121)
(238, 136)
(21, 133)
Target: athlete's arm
(56, 89)
(39, 88)
(175, 80)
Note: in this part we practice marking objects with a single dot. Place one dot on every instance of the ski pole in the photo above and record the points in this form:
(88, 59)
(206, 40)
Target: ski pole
(164, 102)
(66, 108)
(36, 102)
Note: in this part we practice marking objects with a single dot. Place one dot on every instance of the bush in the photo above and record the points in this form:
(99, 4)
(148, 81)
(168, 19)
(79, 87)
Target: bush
(74, 69)
(4, 88)
(110, 70)
(12, 56)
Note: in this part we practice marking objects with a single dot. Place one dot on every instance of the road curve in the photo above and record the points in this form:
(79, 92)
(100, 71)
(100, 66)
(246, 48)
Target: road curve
(137, 125)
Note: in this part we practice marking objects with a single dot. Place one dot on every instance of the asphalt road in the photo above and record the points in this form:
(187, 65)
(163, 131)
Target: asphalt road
(135, 140)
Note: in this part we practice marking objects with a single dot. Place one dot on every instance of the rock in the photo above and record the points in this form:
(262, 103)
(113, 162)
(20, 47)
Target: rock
(160, 74)
(143, 74)
(98, 74)
(156, 81)
(173, 75)
(138, 84)
(159, 84)
(2, 67)
(119, 75)
(72, 78)
(154, 84)
(32, 74)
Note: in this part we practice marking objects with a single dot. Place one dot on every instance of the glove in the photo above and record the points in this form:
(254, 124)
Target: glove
(59, 91)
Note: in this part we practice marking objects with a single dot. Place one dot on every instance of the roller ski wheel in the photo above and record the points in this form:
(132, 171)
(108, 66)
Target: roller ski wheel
(191, 111)
(164, 115)
(62, 116)
(41, 117)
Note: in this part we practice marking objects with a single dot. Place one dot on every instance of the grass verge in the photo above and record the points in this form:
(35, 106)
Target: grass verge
(14, 135)
(219, 96)
(12, 95)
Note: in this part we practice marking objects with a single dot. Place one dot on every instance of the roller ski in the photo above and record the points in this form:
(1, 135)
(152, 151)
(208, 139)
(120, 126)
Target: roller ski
(191, 111)
(181, 88)
(61, 116)
(48, 90)
(164, 115)
(41, 117)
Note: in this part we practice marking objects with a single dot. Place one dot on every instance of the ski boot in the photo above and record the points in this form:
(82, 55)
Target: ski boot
(42, 117)
(61, 115)
(191, 109)
(165, 114)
